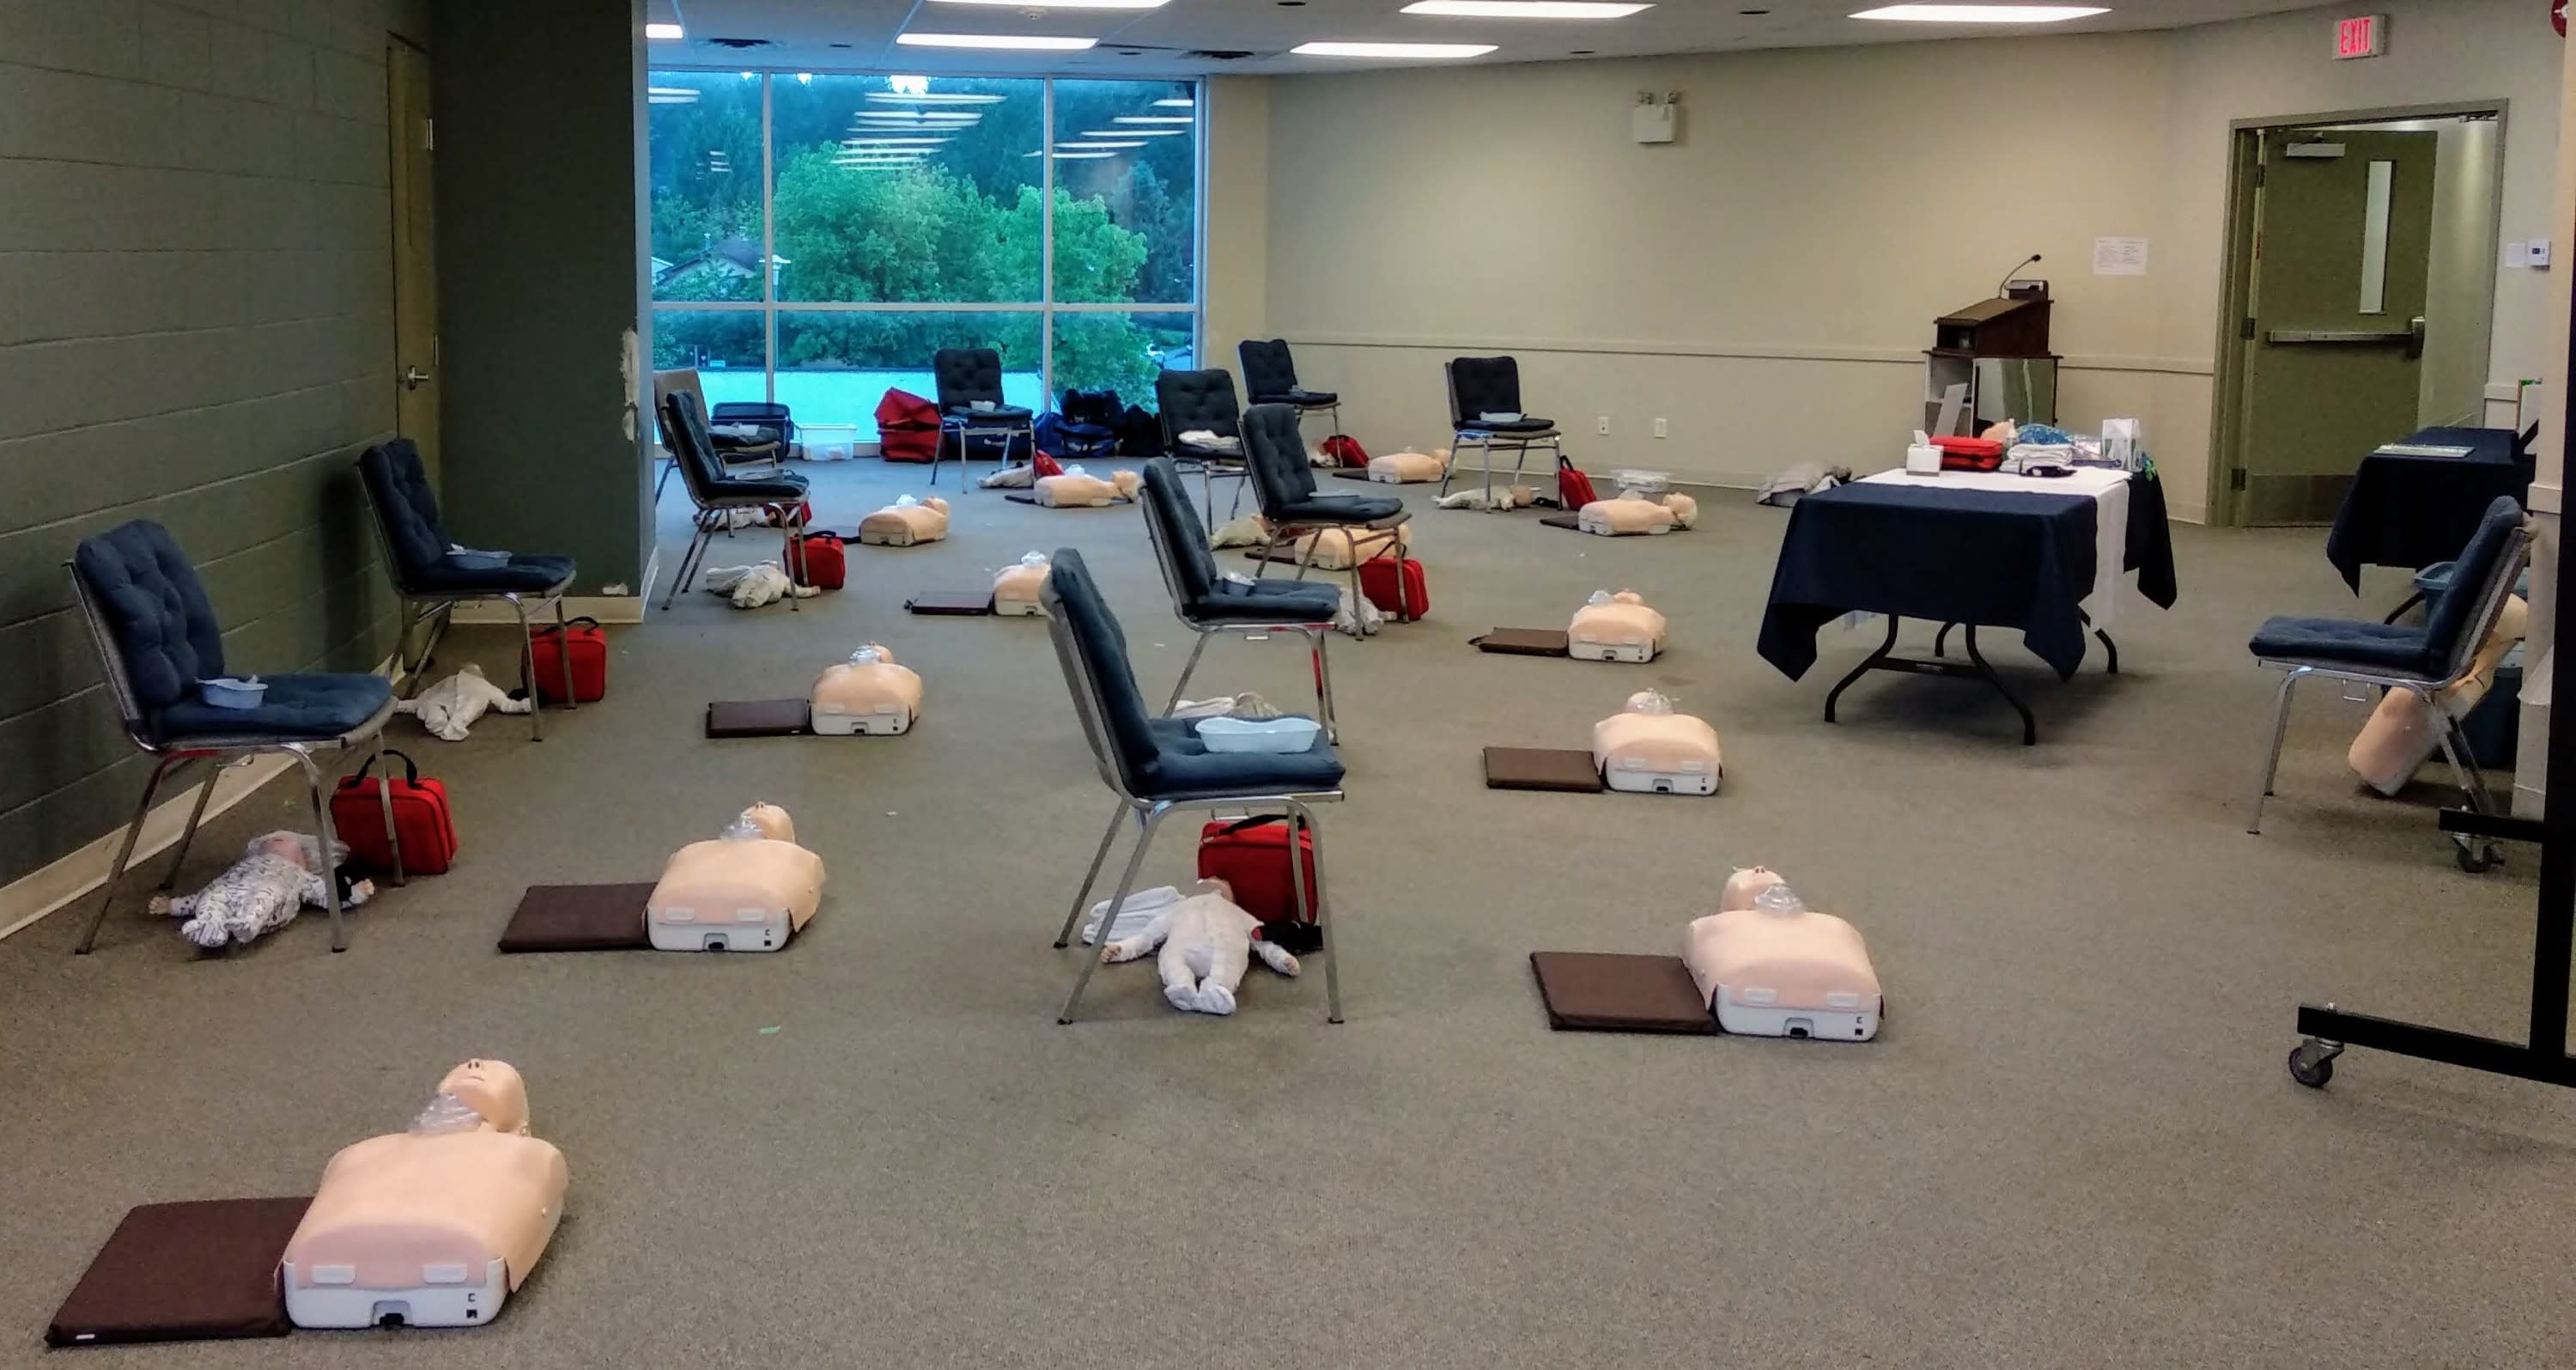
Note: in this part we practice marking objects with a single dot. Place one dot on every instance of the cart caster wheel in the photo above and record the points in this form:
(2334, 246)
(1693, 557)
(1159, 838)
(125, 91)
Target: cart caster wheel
(2310, 1066)
(2477, 860)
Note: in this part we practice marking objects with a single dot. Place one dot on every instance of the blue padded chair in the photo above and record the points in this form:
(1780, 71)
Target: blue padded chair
(156, 636)
(1202, 402)
(1285, 484)
(1270, 377)
(1492, 385)
(429, 582)
(1156, 765)
(2427, 659)
(714, 492)
(1207, 603)
(966, 378)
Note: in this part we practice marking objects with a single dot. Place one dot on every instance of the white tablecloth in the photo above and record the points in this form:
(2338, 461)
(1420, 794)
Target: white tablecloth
(2110, 492)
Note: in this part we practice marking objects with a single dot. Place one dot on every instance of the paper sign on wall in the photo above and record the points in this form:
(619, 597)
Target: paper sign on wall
(2119, 256)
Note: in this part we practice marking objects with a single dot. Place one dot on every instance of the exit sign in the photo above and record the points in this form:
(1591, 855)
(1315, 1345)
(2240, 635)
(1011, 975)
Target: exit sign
(2363, 35)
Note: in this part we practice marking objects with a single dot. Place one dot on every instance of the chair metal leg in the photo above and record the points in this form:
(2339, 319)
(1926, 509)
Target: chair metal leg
(1126, 886)
(682, 574)
(188, 834)
(663, 482)
(124, 853)
(1186, 668)
(385, 800)
(2464, 771)
(1064, 935)
(330, 841)
(563, 641)
(793, 526)
(406, 672)
(528, 666)
(2272, 758)
(1324, 683)
(1302, 816)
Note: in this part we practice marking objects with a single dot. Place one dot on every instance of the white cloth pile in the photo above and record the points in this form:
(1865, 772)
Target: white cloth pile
(448, 709)
(753, 586)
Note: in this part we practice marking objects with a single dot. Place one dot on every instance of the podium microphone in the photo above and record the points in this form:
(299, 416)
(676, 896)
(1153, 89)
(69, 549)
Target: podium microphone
(2006, 283)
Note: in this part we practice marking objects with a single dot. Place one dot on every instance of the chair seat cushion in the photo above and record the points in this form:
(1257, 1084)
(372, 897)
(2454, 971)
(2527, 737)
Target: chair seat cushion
(1338, 509)
(737, 489)
(1524, 428)
(524, 574)
(2337, 641)
(1303, 399)
(1268, 601)
(1001, 413)
(1183, 767)
(312, 704)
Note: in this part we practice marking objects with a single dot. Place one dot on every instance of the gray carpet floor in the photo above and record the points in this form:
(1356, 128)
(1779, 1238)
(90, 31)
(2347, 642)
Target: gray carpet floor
(2074, 1144)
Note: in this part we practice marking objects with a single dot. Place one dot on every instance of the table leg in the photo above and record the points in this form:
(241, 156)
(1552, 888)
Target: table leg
(1867, 665)
(2029, 725)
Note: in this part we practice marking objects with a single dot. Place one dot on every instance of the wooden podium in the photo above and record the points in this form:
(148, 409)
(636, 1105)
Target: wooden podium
(1998, 348)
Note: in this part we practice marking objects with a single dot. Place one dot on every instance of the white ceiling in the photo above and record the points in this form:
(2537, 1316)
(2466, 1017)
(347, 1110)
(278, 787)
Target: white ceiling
(860, 33)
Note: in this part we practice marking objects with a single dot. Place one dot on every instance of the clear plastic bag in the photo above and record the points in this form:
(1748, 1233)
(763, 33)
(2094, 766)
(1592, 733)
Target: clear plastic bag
(1649, 702)
(742, 829)
(1779, 899)
(905, 502)
(1599, 597)
(1034, 559)
(444, 1114)
(868, 655)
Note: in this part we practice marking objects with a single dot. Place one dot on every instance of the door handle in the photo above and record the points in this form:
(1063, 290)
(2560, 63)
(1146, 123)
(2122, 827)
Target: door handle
(414, 378)
(2412, 337)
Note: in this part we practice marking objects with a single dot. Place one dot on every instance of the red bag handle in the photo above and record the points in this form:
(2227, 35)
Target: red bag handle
(1255, 821)
(411, 770)
(548, 630)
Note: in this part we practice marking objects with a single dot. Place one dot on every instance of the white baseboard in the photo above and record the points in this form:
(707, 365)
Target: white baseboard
(605, 608)
(48, 888)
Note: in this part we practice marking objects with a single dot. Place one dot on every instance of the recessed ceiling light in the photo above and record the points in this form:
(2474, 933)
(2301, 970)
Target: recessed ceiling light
(1153, 119)
(1104, 145)
(944, 97)
(1016, 42)
(670, 95)
(1135, 133)
(1082, 156)
(1983, 14)
(1177, 102)
(1068, 4)
(889, 143)
(658, 31)
(1525, 9)
(1429, 50)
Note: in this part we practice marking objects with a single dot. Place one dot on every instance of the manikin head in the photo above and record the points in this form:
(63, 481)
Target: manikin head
(492, 1089)
(302, 849)
(1127, 483)
(772, 821)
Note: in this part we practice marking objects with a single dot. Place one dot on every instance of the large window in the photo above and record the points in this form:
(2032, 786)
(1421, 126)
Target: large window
(816, 237)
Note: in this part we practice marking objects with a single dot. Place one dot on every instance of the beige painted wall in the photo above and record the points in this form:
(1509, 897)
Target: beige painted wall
(1766, 284)
(2459, 293)
(1238, 214)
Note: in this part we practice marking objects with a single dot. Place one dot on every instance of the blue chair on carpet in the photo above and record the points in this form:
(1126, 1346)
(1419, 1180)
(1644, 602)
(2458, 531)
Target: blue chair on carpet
(1284, 483)
(1202, 402)
(1482, 386)
(972, 406)
(1270, 377)
(2427, 659)
(157, 637)
(1207, 603)
(1156, 765)
(430, 581)
(716, 493)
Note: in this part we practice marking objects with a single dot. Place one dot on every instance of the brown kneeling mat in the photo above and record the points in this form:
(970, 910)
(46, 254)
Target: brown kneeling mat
(760, 717)
(1594, 991)
(184, 1272)
(1573, 521)
(1524, 641)
(1541, 768)
(579, 918)
(965, 603)
(1356, 473)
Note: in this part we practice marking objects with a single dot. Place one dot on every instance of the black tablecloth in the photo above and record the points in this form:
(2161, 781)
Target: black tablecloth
(2410, 512)
(1999, 558)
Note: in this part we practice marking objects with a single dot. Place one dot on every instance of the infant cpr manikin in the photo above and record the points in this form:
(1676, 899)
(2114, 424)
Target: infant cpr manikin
(1615, 628)
(1632, 512)
(748, 890)
(2402, 734)
(434, 1227)
(867, 694)
(905, 522)
(1781, 969)
(1649, 749)
(1079, 489)
(1409, 468)
(1016, 586)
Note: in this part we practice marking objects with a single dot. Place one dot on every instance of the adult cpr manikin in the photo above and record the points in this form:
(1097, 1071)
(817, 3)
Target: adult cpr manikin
(748, 890)
(1648, 748)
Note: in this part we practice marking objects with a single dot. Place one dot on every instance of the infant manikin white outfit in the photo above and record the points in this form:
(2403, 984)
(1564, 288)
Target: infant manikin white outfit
(1206, 943)
(448, 708)
(1772, 967)
(276, 877)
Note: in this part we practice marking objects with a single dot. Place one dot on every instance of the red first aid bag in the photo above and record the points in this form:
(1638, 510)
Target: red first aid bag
(1345, 450)
(820, 560)
(588, 645)
(907, 427)
(1970, 454)
(1251, 855)
(420, 816)
(1379, 581)
(1573, 488)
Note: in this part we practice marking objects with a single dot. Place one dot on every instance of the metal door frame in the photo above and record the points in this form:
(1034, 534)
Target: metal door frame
(2244, 198)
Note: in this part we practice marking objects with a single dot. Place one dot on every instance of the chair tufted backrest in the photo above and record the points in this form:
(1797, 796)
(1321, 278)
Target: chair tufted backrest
(1189, 566)
(1269, 372)
(1483, 385)
(1093, 651)
(967, 374)
(2480, 581)
(147, 596)
(406, 508)
(1197, 399)
(1276, 451)
(684, 422)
